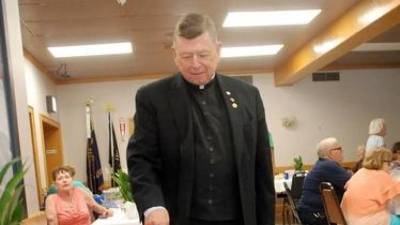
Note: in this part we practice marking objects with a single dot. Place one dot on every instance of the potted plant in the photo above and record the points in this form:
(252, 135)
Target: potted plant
(122, 180)
(11, 202)
(125, 188)
(298, 163)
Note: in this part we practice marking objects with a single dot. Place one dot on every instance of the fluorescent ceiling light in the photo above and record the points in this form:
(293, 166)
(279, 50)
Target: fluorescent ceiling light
(91, 50)
(247, 51)
(377, 47)
(270, 18)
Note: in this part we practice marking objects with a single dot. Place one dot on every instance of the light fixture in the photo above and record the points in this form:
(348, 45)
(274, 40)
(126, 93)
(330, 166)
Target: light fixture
(270, 18)
(91, 50)
(377, 47)
(247, 51)
(51, 104)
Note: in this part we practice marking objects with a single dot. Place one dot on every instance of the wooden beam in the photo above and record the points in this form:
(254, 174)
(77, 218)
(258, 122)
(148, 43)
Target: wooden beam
(364, 21)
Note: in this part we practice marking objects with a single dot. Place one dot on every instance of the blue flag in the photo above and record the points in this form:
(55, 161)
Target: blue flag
(113, 151)
(93, 165)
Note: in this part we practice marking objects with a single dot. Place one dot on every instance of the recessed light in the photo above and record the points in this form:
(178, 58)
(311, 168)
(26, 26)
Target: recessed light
(270, 18)
(247, 51)
(91, 50)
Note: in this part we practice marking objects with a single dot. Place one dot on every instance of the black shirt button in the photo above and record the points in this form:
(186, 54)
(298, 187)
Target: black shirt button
(211, 175)
(211, 149)
(212, 161)
(210, 201)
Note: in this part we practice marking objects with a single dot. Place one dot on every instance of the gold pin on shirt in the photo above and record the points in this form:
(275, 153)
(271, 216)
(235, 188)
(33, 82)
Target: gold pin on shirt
(234, 105)
(232, 99)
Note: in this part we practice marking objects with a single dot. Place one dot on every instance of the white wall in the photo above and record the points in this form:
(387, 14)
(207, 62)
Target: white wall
(38, 86)
(72, 100)
(341, 109)
(15, 64)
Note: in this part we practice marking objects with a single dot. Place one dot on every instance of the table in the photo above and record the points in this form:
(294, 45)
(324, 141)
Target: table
(278, 182)
(118, 218)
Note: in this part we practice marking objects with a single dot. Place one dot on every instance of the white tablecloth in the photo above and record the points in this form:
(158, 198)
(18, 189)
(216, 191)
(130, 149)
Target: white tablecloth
(279, 188)
(118, 218)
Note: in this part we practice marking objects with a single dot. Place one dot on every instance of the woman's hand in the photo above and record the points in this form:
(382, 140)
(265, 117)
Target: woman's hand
(106, 213)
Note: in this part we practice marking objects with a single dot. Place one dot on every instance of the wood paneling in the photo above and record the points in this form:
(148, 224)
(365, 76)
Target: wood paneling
(343, 35)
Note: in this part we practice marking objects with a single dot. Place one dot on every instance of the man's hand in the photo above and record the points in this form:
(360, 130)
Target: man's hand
(157, 217)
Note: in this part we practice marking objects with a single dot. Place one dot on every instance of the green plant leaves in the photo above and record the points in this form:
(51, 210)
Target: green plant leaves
(298, 163)
(122, 179)
(11, 207)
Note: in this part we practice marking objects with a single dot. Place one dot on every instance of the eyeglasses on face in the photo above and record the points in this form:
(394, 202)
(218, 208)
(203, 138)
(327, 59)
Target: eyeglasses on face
(338, 148)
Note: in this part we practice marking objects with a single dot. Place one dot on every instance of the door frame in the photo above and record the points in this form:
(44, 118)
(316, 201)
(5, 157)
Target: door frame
(36, 161)
(44, 119)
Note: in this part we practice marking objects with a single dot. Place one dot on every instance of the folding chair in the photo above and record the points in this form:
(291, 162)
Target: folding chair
(297, 186)
(293, 216)
(333, 212)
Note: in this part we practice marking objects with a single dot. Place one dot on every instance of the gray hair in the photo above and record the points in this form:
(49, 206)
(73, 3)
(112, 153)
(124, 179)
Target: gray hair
(193, 25)
(325, 145)
(376, 126)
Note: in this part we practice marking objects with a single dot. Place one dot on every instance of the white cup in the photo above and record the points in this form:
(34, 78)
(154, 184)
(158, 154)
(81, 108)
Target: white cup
(131, 210)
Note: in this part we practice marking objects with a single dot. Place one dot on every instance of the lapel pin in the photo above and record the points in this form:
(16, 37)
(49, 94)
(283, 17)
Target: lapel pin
(234, 105)
(228, 92)
(232, 99)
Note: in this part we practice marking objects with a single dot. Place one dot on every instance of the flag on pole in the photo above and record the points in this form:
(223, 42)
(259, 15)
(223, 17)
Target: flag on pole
(94, 173)
(113, 151)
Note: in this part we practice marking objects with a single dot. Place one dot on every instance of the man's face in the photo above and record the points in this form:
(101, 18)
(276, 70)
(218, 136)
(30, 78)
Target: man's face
(196, 58)
(336, 154)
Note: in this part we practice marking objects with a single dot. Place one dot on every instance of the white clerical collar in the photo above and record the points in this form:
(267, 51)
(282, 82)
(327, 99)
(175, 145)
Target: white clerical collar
(201, 87)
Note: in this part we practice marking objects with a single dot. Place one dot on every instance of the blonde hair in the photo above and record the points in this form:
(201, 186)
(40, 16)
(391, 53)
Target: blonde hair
(374, 160)
(376, 126)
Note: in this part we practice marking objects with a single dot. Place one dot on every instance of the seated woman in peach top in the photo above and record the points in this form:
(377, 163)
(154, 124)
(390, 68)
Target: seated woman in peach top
(70, 206)
(369, 191)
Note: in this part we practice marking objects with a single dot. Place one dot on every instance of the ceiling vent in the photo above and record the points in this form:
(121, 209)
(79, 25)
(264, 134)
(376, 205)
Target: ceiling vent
(326, 76)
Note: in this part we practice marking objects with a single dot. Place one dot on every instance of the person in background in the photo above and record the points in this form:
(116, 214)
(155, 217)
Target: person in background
(200, 151)
(369, 191)
(70, 206)
(396, 154)
(326, 169)
(377, 132)
(395, 173)
(75, 183)
(360, 156)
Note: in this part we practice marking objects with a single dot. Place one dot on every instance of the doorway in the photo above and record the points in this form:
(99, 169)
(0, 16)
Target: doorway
(52, 145)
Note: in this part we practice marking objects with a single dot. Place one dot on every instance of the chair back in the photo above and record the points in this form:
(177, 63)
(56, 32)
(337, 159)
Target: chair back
(333, 212)
(297, 185)
(292, 204)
